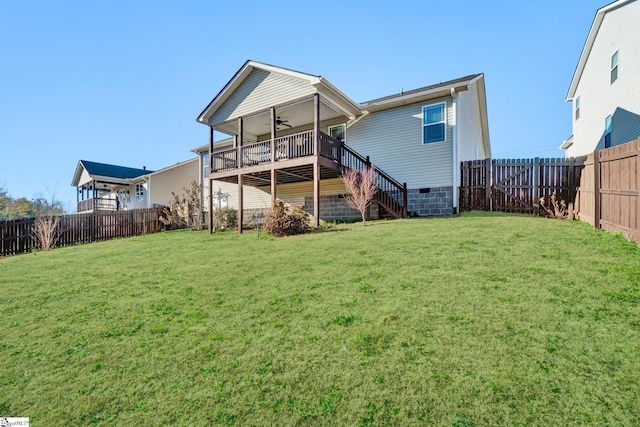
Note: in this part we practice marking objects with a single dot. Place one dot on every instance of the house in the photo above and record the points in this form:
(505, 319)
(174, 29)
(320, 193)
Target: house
(292, 133)
(102, 186)
(604, 89)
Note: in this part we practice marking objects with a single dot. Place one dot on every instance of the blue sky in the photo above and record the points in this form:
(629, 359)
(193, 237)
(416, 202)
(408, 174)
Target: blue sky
(122, 82)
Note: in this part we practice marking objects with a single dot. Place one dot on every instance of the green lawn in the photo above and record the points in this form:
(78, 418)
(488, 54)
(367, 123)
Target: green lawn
(481, 320)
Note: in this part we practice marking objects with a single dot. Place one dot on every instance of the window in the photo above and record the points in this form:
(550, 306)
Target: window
(614, 67)
(139, 192)
(338, 132)
(607, 132)
(577, 107)
(434, 128)
(205, 159)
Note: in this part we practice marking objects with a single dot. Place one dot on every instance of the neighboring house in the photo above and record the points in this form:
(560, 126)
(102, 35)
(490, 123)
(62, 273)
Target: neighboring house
(604, 89)
(292, 133)
(102, 186)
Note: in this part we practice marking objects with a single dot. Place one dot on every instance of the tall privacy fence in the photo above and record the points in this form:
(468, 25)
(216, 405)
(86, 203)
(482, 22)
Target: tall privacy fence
(600, 188)
(16, 236)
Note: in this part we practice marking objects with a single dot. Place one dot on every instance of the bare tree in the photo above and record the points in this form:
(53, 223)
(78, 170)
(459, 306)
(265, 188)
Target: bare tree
(361, 187)
(45, 231)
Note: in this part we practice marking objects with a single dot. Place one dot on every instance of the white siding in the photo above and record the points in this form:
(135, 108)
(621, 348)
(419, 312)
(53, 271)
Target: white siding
(470, 145)
(620, 30)
(253, 198)
(393, 141)
(259, 91)
(84, 177)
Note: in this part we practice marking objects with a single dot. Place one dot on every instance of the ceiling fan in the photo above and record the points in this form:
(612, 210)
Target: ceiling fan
(281, 123)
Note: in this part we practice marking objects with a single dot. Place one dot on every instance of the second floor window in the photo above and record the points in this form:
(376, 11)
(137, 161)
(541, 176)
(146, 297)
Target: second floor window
(434, 123)
(614, 67)
(139, 192)
(577, 106)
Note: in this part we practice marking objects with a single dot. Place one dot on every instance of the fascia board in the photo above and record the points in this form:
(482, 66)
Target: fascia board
(411, 96)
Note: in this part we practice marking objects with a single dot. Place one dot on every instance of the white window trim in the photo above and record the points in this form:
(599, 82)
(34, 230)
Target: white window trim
(444, 121)
(617, 51)
(339, 126)
(139, 194)
(576, 110)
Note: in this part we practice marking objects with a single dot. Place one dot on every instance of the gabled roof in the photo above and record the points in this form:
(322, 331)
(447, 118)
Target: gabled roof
(321, 85)
(588, 45)
(104, 170)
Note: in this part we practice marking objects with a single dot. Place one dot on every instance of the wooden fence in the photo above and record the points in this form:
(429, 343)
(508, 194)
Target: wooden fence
(16, 236)
(601, 188)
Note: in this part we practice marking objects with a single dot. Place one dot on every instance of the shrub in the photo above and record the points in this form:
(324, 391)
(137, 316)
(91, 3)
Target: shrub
(285, 219)
(556, 209)
(225, 218)
(185, 210)
(45, 232)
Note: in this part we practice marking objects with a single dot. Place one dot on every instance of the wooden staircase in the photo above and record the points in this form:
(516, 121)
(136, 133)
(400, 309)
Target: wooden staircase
(391, 195)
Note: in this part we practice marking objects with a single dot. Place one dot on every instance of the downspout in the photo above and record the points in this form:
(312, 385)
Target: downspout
(454, 105)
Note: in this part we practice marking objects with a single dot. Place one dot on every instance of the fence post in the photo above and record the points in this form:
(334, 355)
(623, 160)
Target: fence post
(596, 189)
(461, 195)
(537, 178)
(92, 223)
(487, 183)
(405, 212)
(572, 186)
(638, 191)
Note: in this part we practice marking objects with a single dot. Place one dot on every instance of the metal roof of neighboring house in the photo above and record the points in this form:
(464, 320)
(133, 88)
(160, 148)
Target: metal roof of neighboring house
(423, 89)
(586, 50)
(113, 171)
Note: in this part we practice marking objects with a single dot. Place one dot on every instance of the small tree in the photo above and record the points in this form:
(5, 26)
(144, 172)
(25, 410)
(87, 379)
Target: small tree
(361, 187)
(45, 231)
(185, 209)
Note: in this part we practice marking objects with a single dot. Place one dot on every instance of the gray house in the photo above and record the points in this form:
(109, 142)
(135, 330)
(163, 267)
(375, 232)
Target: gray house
(604, 89)
(290, 134)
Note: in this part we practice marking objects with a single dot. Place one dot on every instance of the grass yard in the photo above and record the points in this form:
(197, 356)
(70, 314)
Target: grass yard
(481, 320)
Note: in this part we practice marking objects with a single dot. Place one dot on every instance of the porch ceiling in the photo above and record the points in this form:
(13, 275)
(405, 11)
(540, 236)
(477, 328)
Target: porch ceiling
(283, 176)
(298, 115)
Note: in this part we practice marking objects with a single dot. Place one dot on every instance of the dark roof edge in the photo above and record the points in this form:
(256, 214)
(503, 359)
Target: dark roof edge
(423, 89)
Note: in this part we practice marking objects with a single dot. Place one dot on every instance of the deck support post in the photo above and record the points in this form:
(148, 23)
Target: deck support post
(210, 183)
(316, 195)
(274, 132)
(238, 141)
(274, 193)
(240, 204)
(210, 206)
(316, 124)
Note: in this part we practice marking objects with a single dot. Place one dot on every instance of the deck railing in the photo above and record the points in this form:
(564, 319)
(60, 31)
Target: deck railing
(392, 195)
(256, 153)
(286, 147)
(330, 147)
(97, 204)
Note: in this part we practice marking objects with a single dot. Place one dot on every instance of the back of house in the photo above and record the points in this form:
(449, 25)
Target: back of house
(290, 133)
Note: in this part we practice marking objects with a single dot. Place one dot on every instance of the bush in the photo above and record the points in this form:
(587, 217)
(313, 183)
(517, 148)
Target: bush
(285, 219)
(225, 218)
